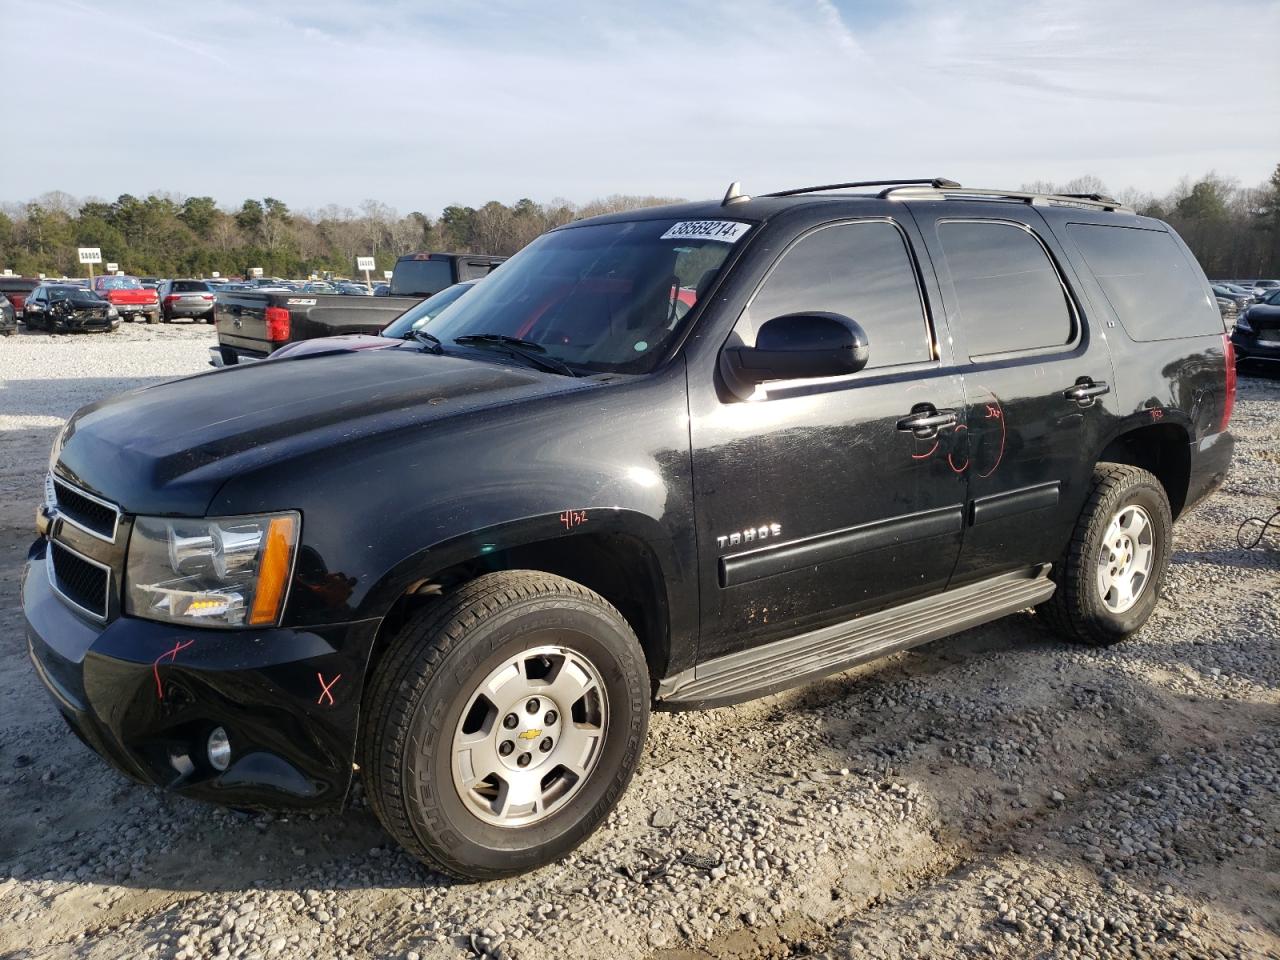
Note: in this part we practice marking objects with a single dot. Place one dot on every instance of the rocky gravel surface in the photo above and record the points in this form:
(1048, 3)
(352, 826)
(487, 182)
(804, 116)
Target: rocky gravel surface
(998, 793)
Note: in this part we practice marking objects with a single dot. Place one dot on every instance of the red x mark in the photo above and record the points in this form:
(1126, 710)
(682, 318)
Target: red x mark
(326, 687)
(173, 656)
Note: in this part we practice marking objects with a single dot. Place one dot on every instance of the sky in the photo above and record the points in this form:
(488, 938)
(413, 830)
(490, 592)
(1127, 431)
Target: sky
(424, 103)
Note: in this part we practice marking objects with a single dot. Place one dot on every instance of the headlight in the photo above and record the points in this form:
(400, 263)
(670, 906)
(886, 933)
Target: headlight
(112, 312)
(224, 572)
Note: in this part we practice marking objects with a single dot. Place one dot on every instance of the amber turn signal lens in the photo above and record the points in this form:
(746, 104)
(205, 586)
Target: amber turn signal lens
(273, 576)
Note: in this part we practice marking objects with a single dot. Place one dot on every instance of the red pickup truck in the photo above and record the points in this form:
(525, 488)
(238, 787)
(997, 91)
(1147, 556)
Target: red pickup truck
(129, 297)
(16, 289)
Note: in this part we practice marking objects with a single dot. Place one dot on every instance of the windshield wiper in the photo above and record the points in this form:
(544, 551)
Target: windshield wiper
(430, 342)
(535, 353)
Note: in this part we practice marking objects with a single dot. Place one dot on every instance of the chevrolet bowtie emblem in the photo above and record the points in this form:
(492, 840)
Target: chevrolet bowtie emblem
(531, 735)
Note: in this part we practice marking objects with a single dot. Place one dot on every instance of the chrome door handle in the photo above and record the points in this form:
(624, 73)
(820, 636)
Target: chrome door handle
(1086, 392)
(925, 421)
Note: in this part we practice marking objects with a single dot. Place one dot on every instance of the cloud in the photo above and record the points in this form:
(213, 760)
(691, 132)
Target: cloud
(419, 105)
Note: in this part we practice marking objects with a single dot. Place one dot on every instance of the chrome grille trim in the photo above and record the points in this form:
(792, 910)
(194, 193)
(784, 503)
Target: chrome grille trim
(53, 581)
(78, 491)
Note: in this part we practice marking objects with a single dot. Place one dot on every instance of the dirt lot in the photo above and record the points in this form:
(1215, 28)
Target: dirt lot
(998, 793)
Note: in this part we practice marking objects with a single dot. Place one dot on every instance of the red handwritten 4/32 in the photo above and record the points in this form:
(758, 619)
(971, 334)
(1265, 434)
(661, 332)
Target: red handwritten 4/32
(573, 518)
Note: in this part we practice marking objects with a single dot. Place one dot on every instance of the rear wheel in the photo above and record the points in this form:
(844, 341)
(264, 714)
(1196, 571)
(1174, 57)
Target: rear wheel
(504, 723)
(153, 318)
(1109, 578)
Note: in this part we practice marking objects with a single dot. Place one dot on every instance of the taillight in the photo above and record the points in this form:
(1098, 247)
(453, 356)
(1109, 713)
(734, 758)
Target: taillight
(171, 298)
(206, 296)
(1229, 398)
(277, 324)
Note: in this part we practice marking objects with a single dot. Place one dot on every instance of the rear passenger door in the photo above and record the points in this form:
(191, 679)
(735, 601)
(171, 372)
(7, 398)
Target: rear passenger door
(1037, 376)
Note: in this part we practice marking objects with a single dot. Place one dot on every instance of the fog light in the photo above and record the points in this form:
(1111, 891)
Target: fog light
(219, 749)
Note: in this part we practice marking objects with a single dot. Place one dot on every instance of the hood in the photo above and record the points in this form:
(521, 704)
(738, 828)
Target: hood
(85, 302)
(1263, 313)
(169, 447)
(346, 343)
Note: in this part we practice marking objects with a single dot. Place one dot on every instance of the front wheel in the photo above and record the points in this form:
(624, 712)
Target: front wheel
(504, 723)
(1110, 575)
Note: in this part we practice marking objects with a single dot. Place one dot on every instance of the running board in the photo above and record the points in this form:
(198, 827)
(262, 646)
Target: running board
(785, 663)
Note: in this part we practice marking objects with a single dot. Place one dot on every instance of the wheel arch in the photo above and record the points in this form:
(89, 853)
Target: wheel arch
(1162, 449)
(612, 553)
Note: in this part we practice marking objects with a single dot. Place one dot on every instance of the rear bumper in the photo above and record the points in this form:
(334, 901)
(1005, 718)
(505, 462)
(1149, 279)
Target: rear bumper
(231, 356)
(180, 309)
(145, 696)
(133, 309)
(1210, 463)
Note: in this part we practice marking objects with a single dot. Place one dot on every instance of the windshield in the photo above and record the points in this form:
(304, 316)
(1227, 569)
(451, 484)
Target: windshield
(64, 293)
(416, 317)
(121, 283)
(605, 297)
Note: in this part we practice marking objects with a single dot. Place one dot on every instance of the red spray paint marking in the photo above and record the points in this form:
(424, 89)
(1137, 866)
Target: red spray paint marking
(173, 657)
(928, 453)
(951, 462)
(996, 412)
(326, 688)
(572, 518)
(1157, 414)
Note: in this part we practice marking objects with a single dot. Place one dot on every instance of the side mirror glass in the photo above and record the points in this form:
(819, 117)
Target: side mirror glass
(796, 346)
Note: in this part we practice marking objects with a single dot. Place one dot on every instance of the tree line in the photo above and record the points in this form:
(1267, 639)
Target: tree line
(1233, 230)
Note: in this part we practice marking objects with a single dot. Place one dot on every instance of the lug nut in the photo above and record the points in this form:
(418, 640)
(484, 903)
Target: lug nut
(505, 748)
(523, 759)
(545, 745)
(510, 721)
(550, 718)
(532, 705)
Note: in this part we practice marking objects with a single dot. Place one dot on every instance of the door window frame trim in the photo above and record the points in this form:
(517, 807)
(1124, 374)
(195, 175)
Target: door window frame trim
(1073, 306)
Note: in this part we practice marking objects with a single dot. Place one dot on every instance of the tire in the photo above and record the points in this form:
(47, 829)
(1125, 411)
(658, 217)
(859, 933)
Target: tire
(1079, 610)
(153, 318)
(426, 691)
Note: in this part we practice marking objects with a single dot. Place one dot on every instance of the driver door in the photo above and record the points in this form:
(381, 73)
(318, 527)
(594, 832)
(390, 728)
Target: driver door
(812, 504)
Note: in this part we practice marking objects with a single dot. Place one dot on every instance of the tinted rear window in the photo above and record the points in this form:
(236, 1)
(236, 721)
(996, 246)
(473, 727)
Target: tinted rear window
(1154, 289)
(1008, 291)
(17, 285)
(421, 278)
(190, 286)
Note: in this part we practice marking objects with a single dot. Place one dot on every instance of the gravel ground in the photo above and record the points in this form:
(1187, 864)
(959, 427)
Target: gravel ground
(996, 793)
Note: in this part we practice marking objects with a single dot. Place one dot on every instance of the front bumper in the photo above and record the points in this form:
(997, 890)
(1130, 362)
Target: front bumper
(1250, 347)
(146, 696)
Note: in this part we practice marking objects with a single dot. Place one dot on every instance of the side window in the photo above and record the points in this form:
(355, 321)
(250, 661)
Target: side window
(1155, 291)
(861, 270)
(1009, 294)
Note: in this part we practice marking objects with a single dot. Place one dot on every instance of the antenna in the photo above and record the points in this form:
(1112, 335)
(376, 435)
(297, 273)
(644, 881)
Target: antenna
(734, 195)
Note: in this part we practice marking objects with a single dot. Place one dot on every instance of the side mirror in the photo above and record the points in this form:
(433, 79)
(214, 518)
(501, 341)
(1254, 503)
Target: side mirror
(796, 346)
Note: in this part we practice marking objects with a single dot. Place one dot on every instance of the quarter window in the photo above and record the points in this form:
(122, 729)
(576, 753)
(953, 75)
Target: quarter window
(861, 270)
(1009, 295)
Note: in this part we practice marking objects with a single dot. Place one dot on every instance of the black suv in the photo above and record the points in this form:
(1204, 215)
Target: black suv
(681, 456)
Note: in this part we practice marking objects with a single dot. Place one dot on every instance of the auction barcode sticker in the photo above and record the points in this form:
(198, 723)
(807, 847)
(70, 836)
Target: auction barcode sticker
(726, 231)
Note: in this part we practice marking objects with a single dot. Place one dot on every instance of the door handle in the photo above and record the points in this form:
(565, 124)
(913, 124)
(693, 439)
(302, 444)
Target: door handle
(1086, 391)
(925, 421)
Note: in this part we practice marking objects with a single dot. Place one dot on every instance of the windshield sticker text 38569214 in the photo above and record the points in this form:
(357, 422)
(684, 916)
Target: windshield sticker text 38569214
(726, 231)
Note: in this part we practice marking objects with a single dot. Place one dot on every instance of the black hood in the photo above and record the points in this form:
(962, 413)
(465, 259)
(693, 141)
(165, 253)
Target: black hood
(1263, 314)
(167, 448)
(81, 302)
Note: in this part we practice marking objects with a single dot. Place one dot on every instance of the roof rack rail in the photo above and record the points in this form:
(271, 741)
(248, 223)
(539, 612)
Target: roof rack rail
(933, 182)
(1088, 200)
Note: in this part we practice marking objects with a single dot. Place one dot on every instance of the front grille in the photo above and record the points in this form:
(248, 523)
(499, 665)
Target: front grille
(80, 580)
(89, 513)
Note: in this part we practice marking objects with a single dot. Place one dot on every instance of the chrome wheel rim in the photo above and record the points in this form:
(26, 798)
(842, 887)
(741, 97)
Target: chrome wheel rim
(531, 734)
(1125, 558)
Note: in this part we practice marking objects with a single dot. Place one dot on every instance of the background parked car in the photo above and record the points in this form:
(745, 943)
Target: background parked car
(8, 318)
(150, 283)
(354, 290)
(1237, 295)
(186, 298)
(129, 297)
(64, 307)
(17, 289)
